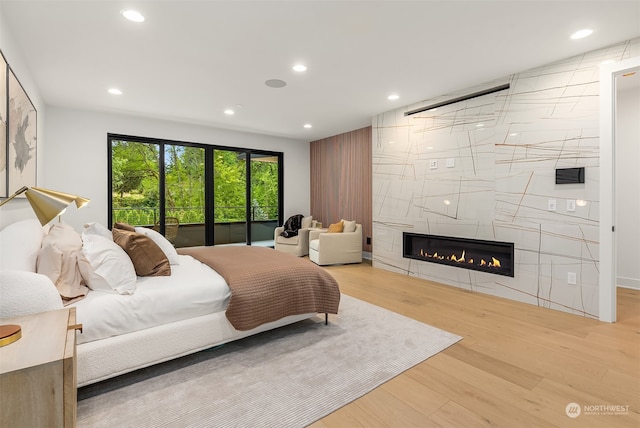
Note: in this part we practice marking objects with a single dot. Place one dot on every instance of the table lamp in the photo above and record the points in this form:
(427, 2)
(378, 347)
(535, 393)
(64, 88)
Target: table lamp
(47, 204)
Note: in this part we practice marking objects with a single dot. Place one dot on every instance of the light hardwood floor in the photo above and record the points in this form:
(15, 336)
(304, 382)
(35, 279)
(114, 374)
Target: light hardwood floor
(517, 366)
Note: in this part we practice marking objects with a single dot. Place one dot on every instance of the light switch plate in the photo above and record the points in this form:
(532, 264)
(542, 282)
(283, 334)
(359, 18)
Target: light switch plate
(571, 205)
(571, 277)
(552, 205)
(433, 164)
(451, 162)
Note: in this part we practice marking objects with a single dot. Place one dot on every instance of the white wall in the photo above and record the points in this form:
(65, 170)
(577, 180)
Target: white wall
(19, 208)
(627, 170)
(76, 156)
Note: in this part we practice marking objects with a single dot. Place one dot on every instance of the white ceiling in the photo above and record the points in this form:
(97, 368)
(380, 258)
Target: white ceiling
(190, 60)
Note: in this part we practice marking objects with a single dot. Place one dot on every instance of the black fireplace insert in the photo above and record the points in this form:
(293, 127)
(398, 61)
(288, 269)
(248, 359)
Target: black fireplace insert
(475, 254)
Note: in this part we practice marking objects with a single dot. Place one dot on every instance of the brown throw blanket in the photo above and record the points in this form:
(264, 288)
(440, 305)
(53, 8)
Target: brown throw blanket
(267, 285)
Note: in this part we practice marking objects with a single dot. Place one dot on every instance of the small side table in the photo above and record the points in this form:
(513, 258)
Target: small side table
(38, 372)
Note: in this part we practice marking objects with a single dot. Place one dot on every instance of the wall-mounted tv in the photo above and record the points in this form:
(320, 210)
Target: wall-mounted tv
(569, 175)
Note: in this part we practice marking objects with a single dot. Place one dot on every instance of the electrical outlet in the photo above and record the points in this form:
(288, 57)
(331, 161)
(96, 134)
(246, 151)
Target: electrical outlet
(433, 164)
(571, 277)
(368, 240)
(571, 205)
(451, 162)
(552, 205)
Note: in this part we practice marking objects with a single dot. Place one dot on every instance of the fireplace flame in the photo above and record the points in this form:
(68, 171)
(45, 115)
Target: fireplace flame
(494, 263)
(453, 258)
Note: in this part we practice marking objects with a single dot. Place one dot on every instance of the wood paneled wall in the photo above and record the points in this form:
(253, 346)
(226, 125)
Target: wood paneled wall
(341, 180)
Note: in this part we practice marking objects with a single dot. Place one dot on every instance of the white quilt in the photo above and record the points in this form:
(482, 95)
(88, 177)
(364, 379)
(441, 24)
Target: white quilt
(192, 290)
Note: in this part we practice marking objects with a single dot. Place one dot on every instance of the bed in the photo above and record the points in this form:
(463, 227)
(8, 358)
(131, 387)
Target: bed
(212, 296)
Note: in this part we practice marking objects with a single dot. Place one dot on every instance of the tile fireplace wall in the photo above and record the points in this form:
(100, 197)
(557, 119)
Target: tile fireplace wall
(485, 169)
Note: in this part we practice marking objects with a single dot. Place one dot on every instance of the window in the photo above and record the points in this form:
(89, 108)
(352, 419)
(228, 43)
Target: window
(230, 197)
(265, 196)
(195, 194)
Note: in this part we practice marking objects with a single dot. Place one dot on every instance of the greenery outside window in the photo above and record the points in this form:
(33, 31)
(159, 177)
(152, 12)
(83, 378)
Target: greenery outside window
(195, 194)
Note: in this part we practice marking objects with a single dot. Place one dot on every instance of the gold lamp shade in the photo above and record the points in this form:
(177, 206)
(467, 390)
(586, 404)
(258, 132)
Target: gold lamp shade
(48, 204)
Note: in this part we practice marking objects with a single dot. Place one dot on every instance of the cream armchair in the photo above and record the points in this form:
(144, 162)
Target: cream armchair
(335, 248)
(296, 245)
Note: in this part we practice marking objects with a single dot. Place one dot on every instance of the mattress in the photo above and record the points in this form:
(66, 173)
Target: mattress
(192, 290)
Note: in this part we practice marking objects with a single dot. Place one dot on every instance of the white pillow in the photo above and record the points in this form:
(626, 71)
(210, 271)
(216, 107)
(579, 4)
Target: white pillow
(162, 242)
(19, 245)
(349, 226)
(306, 222)
(97, 229)
(111, 268)
(25, 293)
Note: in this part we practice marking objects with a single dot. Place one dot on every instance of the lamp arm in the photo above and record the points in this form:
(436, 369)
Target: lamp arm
(18, 192)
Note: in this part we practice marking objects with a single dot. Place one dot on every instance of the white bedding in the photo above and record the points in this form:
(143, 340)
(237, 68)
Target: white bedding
(192, 290)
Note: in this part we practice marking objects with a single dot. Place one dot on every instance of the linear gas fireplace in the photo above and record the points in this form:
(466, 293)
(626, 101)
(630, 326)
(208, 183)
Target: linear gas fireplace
(475, 254)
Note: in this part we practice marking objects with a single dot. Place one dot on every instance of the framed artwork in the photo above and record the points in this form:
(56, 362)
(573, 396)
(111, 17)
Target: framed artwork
(22, 137)
(4, 148)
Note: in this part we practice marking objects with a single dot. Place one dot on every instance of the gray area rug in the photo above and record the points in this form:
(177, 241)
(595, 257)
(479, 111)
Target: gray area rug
(289, 377)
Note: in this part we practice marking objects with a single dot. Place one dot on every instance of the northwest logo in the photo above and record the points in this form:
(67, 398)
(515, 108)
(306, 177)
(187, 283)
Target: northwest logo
(572, 410)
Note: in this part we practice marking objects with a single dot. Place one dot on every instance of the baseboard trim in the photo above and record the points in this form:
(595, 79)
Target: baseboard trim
(624, 282)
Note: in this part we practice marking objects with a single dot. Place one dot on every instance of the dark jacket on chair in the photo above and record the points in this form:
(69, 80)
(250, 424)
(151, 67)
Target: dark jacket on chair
(292, 225)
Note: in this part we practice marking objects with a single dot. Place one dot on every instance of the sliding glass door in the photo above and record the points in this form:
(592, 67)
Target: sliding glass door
(184, 195)
(230, 197)
(135, 180)
(265, 197)
(195, 194)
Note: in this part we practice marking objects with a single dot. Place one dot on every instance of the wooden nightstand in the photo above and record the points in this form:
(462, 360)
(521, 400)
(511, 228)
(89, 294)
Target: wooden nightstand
(38, 372)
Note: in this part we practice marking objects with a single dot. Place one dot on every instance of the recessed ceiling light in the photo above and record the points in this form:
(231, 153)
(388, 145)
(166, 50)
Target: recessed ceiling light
(513, 134)
(447, 202)
(132, 15)
(479, 125)
(307, 125)
(607, 61)
(393, 97)
(229, 112)
(392, 142)
(275, 83)
(581, 34)
(115, 91)
(581, 203)
(300, 68)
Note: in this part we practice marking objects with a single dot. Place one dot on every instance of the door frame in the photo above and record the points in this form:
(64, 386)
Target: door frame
(608, 258)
